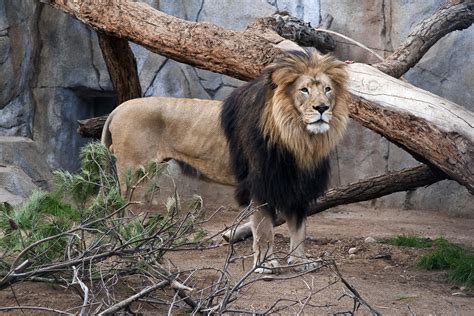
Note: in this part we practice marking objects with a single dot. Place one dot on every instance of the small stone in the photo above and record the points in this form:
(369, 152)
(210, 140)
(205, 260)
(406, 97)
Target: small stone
(387, 267)
(459, 294)
(370, 240)
(353, 250)
(352, 256)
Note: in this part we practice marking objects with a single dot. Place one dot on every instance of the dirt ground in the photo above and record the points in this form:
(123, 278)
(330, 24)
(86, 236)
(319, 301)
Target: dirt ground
(392, 284)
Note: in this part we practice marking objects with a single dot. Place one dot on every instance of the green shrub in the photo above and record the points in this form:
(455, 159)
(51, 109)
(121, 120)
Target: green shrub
(455, 259)
(445, 256)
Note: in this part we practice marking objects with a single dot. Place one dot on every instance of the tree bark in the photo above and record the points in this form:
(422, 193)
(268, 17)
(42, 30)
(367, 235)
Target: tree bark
(296, 30)
(122, 67)
(371, 188)
(435, 130)
(455, 15)
(444, 138)
(92, 128)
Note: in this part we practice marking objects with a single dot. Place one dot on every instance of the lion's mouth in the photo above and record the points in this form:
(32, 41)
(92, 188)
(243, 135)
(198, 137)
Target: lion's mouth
(320, 121)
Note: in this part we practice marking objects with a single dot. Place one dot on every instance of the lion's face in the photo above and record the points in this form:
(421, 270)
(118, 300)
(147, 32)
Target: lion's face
(313, 98)
(306, 110)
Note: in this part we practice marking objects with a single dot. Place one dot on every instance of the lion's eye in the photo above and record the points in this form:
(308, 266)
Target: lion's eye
(304, 90)
(327, 89)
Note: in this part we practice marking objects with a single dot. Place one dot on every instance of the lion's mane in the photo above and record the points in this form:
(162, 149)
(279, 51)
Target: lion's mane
(274, 159)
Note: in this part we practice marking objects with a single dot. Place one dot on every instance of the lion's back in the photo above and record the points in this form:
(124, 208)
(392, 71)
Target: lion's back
(164, 128)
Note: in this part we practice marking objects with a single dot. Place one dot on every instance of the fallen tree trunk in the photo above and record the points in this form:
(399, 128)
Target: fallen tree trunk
(444, 138)
(368, 189)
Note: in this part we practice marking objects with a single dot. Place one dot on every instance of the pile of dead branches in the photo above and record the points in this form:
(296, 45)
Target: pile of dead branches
(86, 235)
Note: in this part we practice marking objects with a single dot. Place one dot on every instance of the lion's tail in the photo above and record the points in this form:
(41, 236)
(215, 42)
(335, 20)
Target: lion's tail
(106, 137)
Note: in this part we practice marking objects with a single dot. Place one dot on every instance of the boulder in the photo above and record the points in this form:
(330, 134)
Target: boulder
(15, 185)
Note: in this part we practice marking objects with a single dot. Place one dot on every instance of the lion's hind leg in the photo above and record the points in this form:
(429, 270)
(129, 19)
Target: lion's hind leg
(262, 231)
(297, 258)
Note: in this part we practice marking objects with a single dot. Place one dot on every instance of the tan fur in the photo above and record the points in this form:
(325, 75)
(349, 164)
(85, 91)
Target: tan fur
(166, 128)
(282, 117)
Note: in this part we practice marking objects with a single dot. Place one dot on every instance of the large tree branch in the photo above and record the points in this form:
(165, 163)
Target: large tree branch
(364, 190)
(455, 15)
(435, 130)
(122, 67)
(203, 44)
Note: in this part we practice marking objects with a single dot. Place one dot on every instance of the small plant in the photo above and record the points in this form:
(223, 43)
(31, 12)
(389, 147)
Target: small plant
(445, 256)
(455, 259)
(463, 271)
(410, 241)
(43, 215)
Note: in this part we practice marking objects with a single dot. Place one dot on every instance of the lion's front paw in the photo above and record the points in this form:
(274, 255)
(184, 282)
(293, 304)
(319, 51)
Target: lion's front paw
(268, 267)
(300, 264)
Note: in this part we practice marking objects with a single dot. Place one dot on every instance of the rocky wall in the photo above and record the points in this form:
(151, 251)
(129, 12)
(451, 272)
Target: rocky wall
(52, 74)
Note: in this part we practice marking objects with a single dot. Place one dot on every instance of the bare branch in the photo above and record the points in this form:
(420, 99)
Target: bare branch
(355, 293)
(116, 307)
(84, 288)
(454, 15)
(38, 308)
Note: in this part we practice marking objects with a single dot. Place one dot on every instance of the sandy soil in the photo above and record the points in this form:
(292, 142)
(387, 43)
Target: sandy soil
(391, 284)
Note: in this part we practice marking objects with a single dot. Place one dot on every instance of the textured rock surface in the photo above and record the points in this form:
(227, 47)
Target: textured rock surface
(17, 52)
(16, 185)
(23, 153)
(52, 74)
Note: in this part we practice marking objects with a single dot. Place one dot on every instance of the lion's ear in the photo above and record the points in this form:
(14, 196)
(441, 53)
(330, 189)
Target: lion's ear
(283, 76)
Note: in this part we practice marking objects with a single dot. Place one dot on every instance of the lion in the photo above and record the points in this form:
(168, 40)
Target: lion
(281, 128)
(270, 139)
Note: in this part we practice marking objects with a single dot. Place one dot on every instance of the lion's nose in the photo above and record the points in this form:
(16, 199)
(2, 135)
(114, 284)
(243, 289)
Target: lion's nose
(321, 108)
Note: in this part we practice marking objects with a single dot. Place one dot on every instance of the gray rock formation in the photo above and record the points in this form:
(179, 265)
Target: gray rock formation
(24, 153)
(52, 74)
(16, 184)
